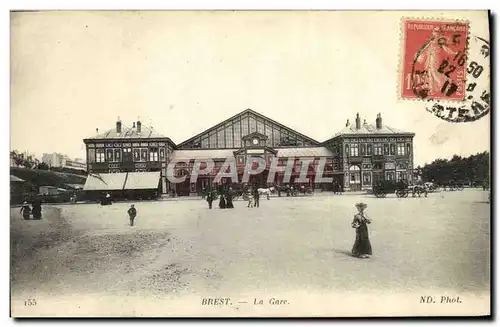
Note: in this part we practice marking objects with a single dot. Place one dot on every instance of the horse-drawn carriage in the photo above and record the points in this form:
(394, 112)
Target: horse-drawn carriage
(401, 189)
(294, 190)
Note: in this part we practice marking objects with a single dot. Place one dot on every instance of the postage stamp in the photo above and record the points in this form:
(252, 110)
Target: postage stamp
(434, 59)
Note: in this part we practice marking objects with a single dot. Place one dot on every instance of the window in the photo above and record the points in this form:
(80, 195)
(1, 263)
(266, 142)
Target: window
(377, 166)
(260, 127)
(408, 149)
(354, 150)
(127, 154)
(109, 155)
(137, 154)
(237, 134)
(393, 149)
(401, 165)
(401, 149)
(118, 155)
(389, 175)
(213, 141)
(144, 154)
(346, 149)
(363, 149)
(91, 155)
(377, 149)
(220, 139)
(386, 149)
(162, 153)
(269, 134)
(229, 136)
(253, 125)
(204, 143)
(100, 155)
(369, 150)
(367, 178)
(244, 126)
(400, 175)
(153, 154)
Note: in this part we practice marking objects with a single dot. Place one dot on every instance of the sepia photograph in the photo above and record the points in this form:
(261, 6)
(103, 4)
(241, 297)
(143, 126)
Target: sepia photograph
(205, 163)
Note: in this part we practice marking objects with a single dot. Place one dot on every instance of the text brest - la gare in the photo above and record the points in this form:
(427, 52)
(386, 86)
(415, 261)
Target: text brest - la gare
(128, 159)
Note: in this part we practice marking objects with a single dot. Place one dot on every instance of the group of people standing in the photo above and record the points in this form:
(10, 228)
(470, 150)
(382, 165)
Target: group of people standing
(226, 195)
(35, 210)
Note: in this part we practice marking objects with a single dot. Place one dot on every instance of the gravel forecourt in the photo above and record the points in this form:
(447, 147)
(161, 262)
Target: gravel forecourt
(180, 249)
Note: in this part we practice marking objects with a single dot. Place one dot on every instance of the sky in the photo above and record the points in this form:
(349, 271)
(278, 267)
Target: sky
(183, 72)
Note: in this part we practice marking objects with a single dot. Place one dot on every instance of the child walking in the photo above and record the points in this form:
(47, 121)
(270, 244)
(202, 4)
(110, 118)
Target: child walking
(132, 212)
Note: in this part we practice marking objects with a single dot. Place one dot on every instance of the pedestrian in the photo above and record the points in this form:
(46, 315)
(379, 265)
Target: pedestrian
(37, 209)
(25, 211)
(250, 198)
(132, 213)
(222, 201)
(210, 199)
(362, 247)
(203, 193)
(229, 198)
(256, 196)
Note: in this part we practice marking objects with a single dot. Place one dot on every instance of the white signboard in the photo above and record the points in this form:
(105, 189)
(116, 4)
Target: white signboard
(255, 151)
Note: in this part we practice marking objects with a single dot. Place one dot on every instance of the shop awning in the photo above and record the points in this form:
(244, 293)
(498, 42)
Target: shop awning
(105, 182)
(142, 180)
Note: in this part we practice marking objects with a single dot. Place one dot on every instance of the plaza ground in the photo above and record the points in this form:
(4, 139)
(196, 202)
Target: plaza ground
(182, 249)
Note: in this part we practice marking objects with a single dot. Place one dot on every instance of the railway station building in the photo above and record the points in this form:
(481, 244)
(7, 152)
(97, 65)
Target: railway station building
(136, 158)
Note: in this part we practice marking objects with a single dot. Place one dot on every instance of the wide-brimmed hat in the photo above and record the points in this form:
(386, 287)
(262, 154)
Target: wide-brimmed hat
(361, 205)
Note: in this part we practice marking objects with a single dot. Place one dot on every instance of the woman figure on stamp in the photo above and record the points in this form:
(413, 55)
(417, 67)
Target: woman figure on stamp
(362, 247)
(431, 57)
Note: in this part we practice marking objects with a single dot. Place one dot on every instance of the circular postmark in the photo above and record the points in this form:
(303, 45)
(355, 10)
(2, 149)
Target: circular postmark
(456, 87)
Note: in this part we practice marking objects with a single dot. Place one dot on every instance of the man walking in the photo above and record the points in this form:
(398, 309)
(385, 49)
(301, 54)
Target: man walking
(210, 198)
(132, 212)
(256, 197)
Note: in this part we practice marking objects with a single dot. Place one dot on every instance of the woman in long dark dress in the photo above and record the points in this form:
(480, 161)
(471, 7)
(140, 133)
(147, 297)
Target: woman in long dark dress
(229, 198)
(362, 247)
(222, 201)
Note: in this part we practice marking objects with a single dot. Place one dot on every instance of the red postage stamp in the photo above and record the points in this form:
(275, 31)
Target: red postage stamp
(434, 59)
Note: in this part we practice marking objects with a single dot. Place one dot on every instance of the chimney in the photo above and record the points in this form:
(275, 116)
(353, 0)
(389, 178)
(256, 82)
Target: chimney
(358, 121)
(364, 122)
(97, 130)
(118, 126)
(138, 126)
(133, 125)
(347, 123)
(379, 121)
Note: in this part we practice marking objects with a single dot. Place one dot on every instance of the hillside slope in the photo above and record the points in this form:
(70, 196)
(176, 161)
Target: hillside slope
(46, 177)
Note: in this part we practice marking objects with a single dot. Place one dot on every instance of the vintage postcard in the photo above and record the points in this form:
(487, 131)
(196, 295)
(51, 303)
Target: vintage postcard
(250, 164)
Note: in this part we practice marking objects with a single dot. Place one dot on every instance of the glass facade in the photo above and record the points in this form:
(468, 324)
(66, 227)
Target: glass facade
(229, 135)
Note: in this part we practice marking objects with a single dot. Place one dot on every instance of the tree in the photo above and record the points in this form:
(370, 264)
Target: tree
(19, 159)
(473, 169)
(29, 162)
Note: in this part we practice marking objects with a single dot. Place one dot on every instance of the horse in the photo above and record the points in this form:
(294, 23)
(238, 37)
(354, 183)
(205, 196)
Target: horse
(266, 191)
